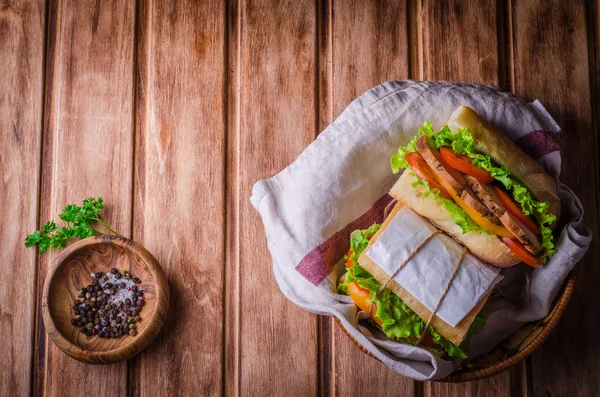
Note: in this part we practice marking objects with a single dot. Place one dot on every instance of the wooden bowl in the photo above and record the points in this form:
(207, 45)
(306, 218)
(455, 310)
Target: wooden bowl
(71, 271)
(513, 349)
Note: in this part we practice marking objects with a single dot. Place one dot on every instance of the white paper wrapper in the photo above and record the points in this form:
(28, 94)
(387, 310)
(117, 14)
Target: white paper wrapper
(340, 183)
(427, 273)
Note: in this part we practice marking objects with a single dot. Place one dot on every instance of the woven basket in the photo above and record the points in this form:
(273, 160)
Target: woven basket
(513, 349)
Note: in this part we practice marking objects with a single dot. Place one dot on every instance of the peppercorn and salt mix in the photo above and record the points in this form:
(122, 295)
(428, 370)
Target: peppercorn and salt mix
(109, 307)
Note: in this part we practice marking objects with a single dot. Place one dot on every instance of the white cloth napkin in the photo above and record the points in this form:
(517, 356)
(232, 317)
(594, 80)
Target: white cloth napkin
(340, 183)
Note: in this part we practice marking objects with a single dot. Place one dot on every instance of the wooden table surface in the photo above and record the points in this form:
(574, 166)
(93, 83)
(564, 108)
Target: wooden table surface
(172, 110)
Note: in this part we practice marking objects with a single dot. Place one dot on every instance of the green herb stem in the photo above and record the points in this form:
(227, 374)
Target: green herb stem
(109, 228)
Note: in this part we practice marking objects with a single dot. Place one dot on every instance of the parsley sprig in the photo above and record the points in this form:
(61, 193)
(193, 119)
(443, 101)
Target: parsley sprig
(79, 224)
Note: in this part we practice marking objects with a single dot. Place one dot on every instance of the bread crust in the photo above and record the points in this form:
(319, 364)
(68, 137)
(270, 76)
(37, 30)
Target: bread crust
(488, 140)
(489, 248)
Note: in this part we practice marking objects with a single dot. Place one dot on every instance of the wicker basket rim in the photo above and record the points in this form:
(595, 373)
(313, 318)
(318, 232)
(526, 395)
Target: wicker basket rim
(456, 377)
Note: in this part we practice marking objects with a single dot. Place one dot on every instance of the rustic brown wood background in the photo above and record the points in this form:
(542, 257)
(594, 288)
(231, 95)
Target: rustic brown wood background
(172, 110)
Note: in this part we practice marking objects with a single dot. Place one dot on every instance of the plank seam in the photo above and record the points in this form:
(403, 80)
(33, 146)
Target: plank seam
(33, 381)
(231, 189)
(132, 364)
(511, 45)
(50, 51)
(415, 39)
(323, 53)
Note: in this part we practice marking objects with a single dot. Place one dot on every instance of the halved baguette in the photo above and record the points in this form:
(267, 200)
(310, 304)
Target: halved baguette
(503, 151)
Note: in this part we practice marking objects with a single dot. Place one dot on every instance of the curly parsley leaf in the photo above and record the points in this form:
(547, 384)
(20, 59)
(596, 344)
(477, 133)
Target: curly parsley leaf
(79, 225)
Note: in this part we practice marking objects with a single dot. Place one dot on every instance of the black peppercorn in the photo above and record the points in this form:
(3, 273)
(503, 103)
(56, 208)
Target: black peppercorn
(136, 280)
(113, 270)
(141, 303)
(118, 276)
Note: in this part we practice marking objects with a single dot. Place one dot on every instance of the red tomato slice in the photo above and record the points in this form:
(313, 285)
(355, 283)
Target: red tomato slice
(424, 171)
(349, 262)
(463, 163)
(520, 251)
(515, 210)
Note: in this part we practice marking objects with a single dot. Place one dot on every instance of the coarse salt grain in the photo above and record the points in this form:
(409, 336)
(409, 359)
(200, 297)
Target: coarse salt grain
(122, 293)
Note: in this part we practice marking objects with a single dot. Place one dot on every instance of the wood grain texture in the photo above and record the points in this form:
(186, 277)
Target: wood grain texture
(72, 270)
(22, 33)
(231, 348)
(87, 147)
(496, 386)
(460, 41)
(552, 63)
(179, 189)
(369, 46)
(277, 122)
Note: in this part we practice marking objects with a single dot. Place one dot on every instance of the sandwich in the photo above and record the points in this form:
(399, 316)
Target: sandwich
(480, 191)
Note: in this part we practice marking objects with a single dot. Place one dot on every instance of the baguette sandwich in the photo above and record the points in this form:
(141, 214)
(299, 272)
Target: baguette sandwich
(476, 186)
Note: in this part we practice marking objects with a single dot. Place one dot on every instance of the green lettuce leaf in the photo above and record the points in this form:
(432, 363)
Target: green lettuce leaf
(398, 320)
(398, 160)
(458, 215)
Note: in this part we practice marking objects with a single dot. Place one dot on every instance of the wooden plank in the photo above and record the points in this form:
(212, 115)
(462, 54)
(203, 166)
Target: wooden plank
(552, 63)
(368, 46)
(179, 189)
(461, 43)
(87, 146)
(278, 351)
(22, 32)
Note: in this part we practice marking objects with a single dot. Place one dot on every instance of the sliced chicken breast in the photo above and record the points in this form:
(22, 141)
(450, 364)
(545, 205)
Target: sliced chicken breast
(529, 240)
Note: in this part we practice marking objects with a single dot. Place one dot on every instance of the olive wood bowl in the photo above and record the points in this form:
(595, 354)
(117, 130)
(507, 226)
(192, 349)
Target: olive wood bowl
(71, 271)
